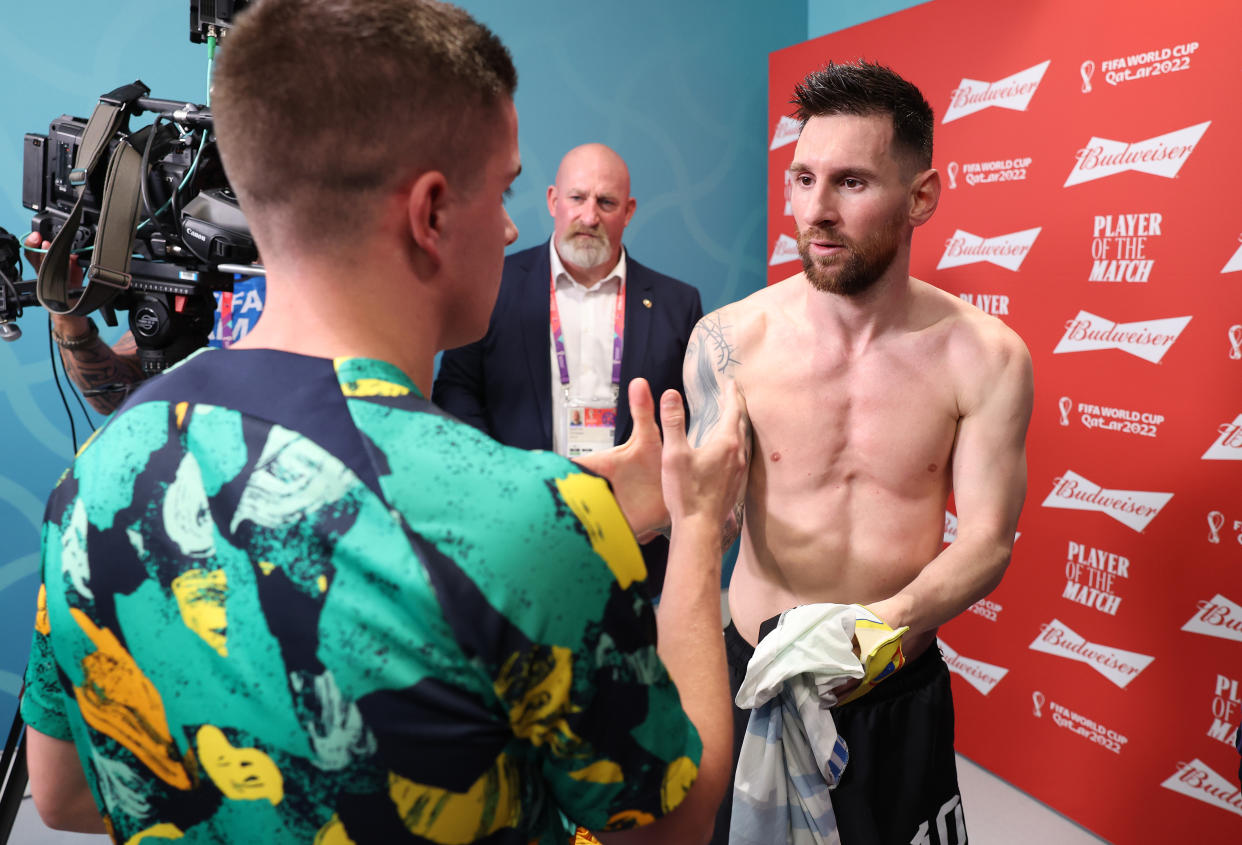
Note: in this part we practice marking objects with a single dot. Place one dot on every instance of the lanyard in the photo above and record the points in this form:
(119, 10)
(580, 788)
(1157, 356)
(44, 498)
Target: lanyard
(558, 337)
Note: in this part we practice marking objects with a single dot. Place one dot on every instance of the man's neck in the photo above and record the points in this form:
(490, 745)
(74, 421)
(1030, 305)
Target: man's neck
(319, 312)
(863, 317)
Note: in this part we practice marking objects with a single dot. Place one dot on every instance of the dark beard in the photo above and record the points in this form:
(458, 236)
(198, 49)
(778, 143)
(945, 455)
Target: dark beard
(862, 266)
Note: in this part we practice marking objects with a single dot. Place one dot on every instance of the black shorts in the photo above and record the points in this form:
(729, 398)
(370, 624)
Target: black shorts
(900, 785)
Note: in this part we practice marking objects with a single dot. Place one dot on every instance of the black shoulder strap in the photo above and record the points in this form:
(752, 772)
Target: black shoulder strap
(109, 272)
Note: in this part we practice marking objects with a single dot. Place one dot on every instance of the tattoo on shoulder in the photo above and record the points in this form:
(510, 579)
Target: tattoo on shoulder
(710, 354)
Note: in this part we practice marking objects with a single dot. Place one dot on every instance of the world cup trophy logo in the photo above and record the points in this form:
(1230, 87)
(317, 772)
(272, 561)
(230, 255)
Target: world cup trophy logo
(1064, 405)
(1087, 69)
(952, 169)
(1038, 699)
(1235, 343)
(1216, 521)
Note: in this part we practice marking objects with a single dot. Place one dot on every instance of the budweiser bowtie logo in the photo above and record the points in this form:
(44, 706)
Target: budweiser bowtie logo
(1163, 155)
(787, 131)
(1234, 264)
(1146, 339)
(1132, 508)
(1197, 780)
(786, 250)
(1008, 251)
(982, 676)
(1219, 617)
(1228, 446)
(1118, 665)
(1012, 92)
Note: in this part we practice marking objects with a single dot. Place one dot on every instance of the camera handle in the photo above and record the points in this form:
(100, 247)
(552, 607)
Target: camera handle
(109, 272)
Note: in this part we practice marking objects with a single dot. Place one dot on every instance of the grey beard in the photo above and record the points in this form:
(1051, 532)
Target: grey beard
(587, 254)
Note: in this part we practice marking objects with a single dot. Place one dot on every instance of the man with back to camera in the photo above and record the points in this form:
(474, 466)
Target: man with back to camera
(871, 395)
(285, 599)
(550, 359)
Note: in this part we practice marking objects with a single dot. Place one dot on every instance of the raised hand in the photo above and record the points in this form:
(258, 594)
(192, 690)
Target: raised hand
(633, 468)
(704, 482)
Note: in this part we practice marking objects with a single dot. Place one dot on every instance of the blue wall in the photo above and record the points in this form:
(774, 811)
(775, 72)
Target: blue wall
(825, 16)
(678, 88)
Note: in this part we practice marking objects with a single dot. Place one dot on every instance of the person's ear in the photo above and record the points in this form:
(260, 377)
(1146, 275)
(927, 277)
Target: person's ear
(426, 203)
(630, 205)
(924, 196)
(552, 200)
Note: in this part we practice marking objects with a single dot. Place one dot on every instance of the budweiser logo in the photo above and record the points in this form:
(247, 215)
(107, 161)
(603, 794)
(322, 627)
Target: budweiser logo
(950, 527)
(1228, 447)
(1234, 264)
(1132, 508)
(1012, 92)
(982, 676)
(786, 250)
(786, 132)
(1163, 155)
(1219, 617)
(1197, 780)
(1008, 251)
(1146, 339)
(1117, 665)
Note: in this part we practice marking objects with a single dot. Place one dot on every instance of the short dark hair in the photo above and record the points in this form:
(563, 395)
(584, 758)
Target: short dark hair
(320, 104)
(864, 88)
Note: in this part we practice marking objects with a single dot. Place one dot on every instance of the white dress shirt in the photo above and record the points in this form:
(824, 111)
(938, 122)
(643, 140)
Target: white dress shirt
(587, 321)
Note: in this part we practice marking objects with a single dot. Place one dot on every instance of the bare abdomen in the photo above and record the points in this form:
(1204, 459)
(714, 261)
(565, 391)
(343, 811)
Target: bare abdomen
(846, 543)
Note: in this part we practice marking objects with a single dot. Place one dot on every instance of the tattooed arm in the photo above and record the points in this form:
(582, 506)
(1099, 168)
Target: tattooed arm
(711, 359)
(104, 374)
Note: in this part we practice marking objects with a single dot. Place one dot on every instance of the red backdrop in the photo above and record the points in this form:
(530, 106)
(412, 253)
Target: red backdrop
(1090, 156)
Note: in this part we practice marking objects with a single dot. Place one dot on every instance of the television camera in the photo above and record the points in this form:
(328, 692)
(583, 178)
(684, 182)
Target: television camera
(147, 215)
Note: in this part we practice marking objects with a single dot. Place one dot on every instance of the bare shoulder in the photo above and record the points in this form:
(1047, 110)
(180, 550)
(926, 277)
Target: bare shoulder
(981, 350)
(744, 324)
(721, 348)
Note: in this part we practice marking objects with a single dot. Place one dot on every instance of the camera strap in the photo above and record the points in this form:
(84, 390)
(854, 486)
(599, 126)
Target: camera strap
(118, 213)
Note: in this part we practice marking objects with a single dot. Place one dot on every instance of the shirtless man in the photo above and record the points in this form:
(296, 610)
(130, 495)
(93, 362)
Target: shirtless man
(871, 395)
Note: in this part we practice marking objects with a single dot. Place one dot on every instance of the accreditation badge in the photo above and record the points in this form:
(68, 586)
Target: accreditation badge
(588, 427)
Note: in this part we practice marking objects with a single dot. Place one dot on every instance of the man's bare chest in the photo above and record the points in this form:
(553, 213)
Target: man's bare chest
(890, 418)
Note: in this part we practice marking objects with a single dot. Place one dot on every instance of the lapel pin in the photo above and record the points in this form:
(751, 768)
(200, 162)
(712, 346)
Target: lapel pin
(647, 303)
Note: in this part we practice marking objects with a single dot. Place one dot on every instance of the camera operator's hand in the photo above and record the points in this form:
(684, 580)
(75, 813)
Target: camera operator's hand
(65, 325)
(102, 373)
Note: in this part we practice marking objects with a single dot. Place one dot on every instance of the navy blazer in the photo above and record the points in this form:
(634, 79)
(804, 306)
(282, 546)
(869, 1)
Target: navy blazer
(502, 384)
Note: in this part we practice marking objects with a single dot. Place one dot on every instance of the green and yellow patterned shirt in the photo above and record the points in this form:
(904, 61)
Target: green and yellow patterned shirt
(285, 599)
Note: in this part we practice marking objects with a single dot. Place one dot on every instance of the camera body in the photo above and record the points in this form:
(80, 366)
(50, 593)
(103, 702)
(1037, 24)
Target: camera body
(189, 222)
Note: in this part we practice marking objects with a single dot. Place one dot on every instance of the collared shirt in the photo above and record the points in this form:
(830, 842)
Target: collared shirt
(587, 320)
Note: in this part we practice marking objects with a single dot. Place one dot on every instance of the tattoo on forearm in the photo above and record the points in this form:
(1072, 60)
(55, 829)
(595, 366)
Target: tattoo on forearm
(97, 367)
